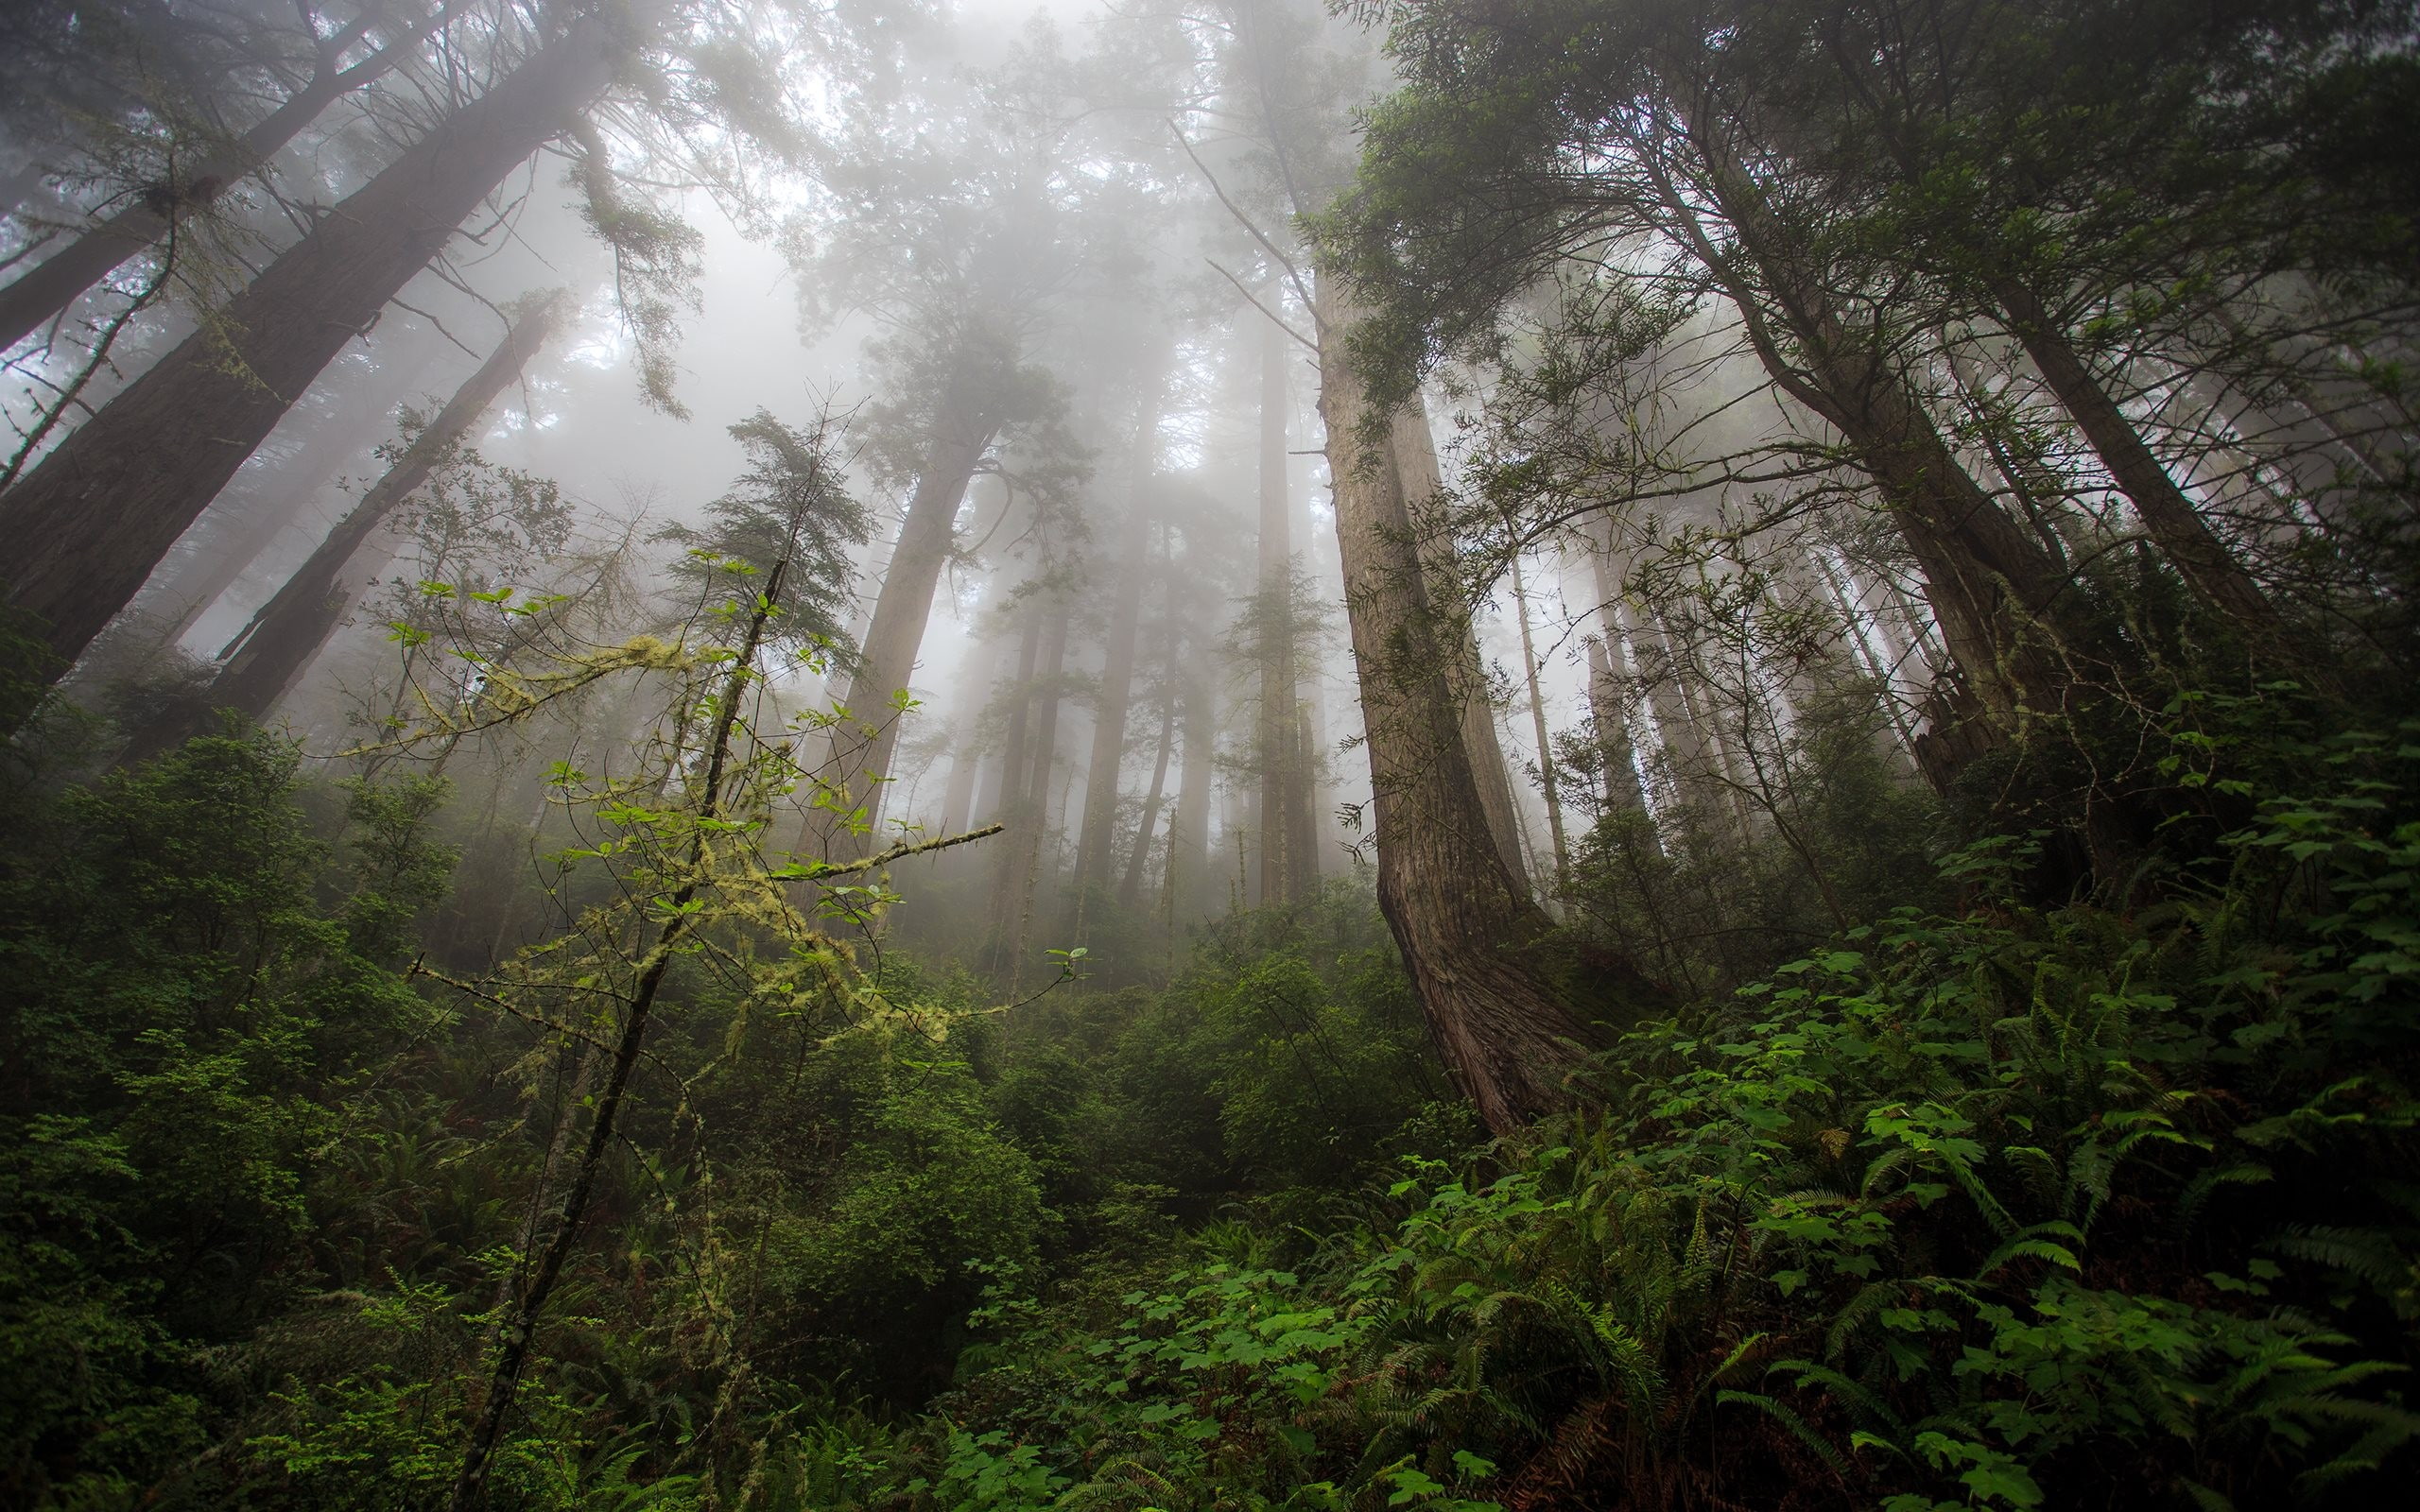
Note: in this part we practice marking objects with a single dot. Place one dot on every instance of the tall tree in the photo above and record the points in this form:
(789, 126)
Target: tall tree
(1286, 872)
(103, 510)
(1462, 919)
(52, 285)
(265, 657)
(244, 520)
(1096, 844)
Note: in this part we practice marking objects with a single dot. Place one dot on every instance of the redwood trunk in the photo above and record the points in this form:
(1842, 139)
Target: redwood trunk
(1130, 890)
(2187, 539)
(1097, 849)
(53, 285)
(201, 582)
(1189, 867)
(1279, 795)
(267, 654)
(94, 518)
(1414, 454)
(1458, 914)
(864, 745)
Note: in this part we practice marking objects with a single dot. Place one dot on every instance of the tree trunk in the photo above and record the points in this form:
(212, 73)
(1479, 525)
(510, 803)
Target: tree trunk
(1279, 836)
(1993, 592)
(212, 568)
(2182, 535)
(1545, 742)
(48, 289)
(1417, 480)
(1458, 914)
(286, 636)
(1021, 858)
(1610, 685)
(1095, 849)
(1188, 867)
(99, 513)
(862, 744)
(1130, 890)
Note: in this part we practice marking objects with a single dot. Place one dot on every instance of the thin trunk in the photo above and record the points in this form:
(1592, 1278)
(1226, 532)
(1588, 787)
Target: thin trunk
(1188, 865)
(99, 513)
(1459, 914)
(49, 288)
(1024, 853)
(1095, 849)
(1546, 743)
(2184, 536)
(1275, 826)
(266, 658)
(470, 1482)
(1130, 890)
(1993, 591)
(1302, 807)
(1610, 682)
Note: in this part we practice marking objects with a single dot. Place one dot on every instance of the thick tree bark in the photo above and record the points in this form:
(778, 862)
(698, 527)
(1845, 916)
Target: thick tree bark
(49, 288)
(1096, 847)
(2184, 536)
(863, 746)
(264, 659)
(1459, 914)
(99, 513)
(1414, 451)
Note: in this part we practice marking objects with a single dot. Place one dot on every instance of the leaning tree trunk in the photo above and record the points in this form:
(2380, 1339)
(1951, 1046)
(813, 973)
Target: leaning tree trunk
(863, 745)
(1097, 846)
(94, 519)
(2184, 536)
(285, 637)
(216, 566)
(1458, 914)
(1993, 592)
(1138, 855)
(61, 279)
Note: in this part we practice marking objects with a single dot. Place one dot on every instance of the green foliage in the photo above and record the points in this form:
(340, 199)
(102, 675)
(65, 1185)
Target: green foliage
(185, 1021)
(2020, 1208)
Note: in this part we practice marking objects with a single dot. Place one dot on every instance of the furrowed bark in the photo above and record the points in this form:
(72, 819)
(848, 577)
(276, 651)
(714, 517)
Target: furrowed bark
(1458, 914)
(1413, 449)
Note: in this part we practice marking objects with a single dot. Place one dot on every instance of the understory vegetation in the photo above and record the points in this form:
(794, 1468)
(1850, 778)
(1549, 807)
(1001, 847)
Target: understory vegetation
(1987, 1200)
(1219, 756)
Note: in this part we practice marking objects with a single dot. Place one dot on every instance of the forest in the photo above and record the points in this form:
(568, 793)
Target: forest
(1209, 755)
